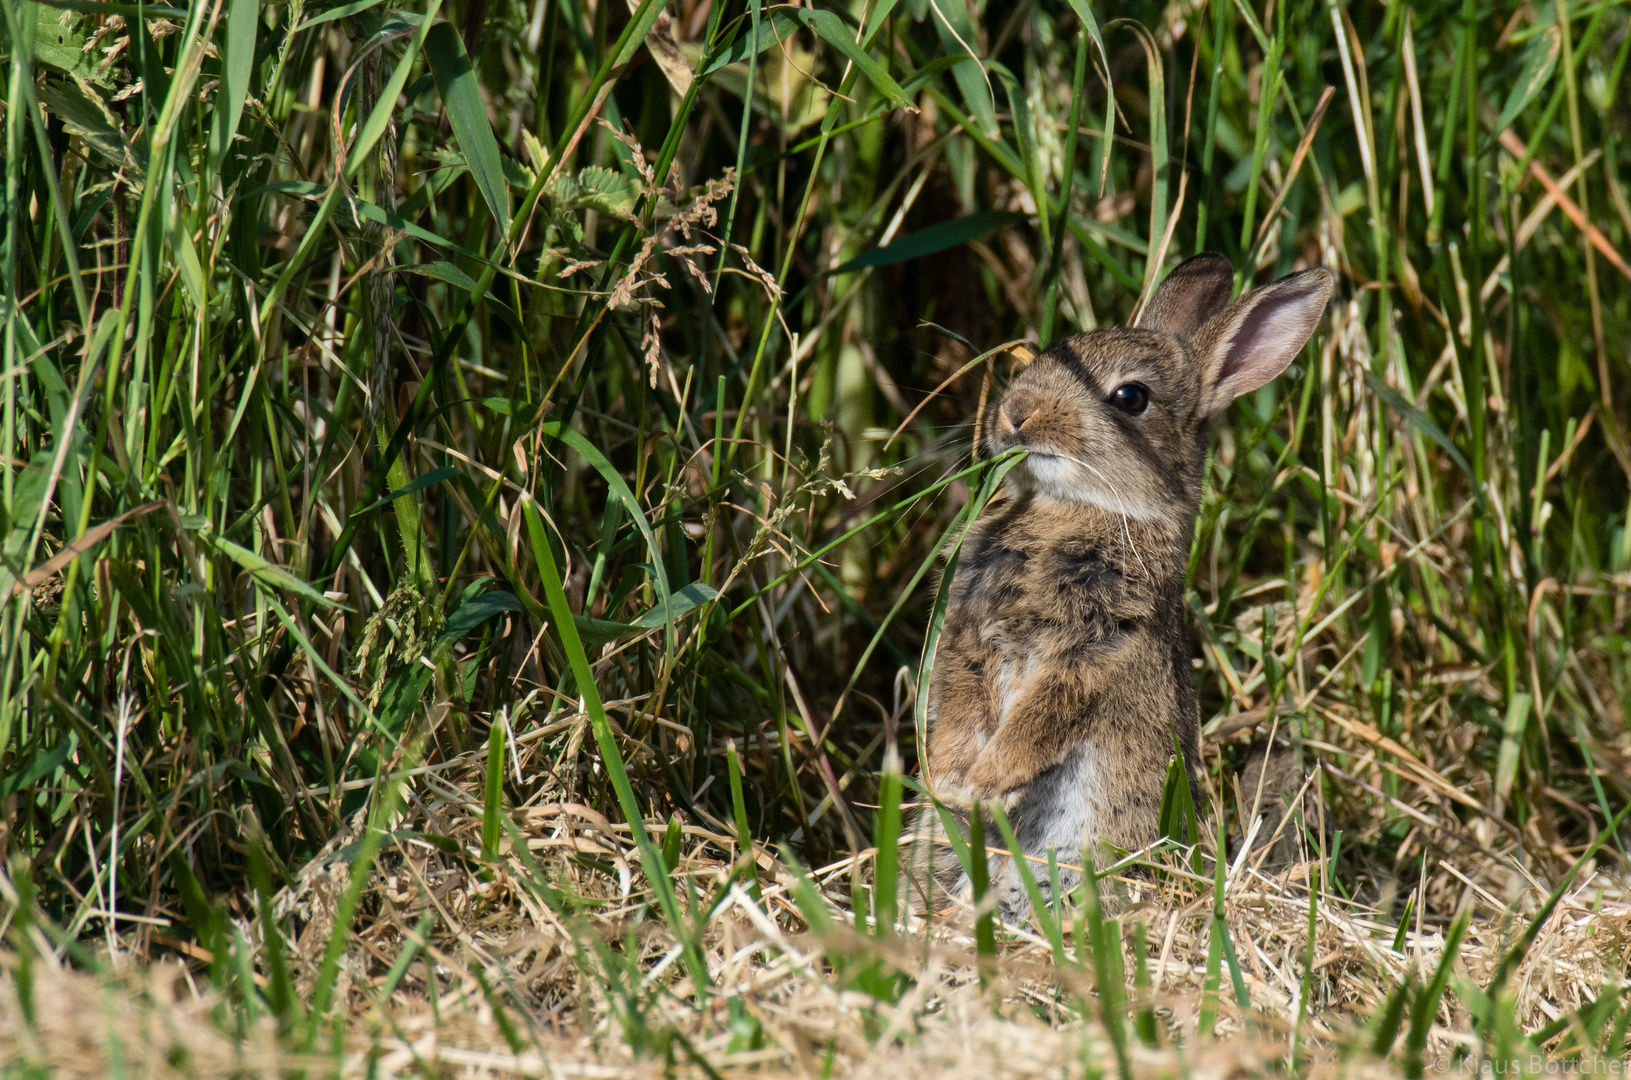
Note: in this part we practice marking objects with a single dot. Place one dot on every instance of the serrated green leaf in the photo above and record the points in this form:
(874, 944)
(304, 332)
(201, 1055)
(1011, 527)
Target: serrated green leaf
(84, 113)
(57, 41)
(599, 188)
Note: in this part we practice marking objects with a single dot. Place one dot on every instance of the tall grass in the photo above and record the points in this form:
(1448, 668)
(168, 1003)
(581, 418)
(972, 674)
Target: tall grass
(550, 382)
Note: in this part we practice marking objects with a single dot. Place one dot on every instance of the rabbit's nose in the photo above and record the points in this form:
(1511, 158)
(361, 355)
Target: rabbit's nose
(1011, 420)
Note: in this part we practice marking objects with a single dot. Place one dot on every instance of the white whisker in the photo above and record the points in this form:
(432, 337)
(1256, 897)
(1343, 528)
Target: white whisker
(1115, 492)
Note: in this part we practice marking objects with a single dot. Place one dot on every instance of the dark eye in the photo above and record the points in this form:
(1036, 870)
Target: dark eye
(1131, 398)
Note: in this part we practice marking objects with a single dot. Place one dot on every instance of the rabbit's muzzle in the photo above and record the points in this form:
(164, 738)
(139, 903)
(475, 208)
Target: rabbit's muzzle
(1038, 424)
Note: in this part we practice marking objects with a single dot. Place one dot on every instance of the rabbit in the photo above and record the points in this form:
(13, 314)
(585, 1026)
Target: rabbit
(1063, 672)
(1273, 785)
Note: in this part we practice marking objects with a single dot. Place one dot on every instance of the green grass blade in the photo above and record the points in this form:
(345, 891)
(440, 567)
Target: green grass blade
(237, 71)
(467, 113)
(979, 874)
(492, 807)
(1425, 1008)
(611, 757)
(1104, 942)
(739, 815)
(886, 836)
(1040, 912)
(832, 30)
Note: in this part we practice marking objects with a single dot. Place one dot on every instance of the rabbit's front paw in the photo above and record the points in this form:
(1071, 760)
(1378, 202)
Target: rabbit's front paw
(1003, 766)
(954, 791)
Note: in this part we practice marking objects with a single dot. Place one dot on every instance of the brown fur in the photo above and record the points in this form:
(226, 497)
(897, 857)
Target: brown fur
(1059, 582)
(1062, 677)
(1274, 782)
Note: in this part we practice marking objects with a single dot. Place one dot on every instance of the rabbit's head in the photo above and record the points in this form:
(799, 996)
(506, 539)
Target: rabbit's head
(1120, 418)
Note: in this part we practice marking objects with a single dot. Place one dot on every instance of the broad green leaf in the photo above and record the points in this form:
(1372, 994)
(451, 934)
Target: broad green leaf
(1539, 59)
(506, 406)
(932, 240)
(27, 495)
(599, 631)
(681, 601)
(442, 271)
(98, 7)
(475, 611)
(467, 113)
(27, 773)
(956, 30)
(57, 41)
(831, 29)
(237, 66)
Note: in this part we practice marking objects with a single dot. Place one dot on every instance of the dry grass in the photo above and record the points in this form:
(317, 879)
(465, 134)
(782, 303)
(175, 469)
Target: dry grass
(595, 989)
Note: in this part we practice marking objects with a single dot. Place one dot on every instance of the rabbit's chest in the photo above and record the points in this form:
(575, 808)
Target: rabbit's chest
(1029, 597)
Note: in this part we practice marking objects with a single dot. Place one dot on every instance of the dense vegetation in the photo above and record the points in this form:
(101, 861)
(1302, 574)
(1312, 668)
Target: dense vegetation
(588, 390)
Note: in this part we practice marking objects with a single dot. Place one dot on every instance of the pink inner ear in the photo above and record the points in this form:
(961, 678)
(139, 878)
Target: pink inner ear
(1246, 344)
(1275, 322)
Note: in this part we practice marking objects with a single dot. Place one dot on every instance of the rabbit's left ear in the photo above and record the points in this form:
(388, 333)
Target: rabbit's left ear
(1192, 293)
(1254, 339)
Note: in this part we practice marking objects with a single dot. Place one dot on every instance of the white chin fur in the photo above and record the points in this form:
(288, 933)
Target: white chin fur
(1068, 481)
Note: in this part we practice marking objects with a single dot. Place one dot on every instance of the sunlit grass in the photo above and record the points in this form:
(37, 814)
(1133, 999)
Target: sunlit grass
(471, 471)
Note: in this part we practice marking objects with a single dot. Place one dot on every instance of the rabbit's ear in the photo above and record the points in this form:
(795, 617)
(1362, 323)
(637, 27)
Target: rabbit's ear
(1257, 336)
(1196, 290)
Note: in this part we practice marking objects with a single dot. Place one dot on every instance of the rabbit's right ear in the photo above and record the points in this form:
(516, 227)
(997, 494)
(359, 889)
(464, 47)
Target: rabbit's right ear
(1256, 337)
